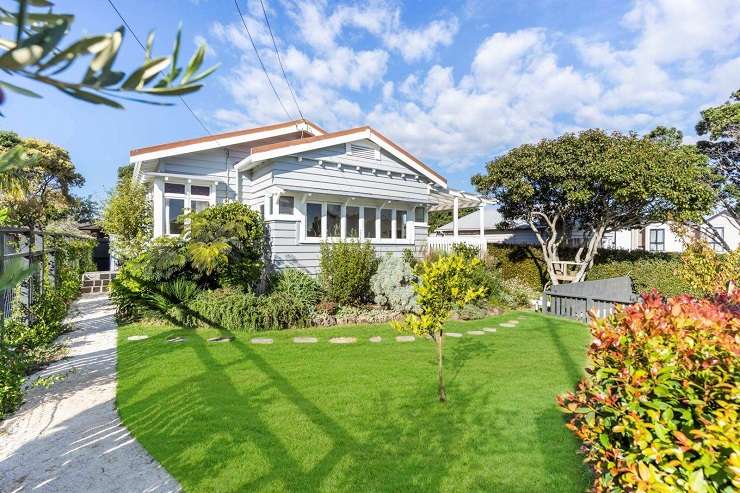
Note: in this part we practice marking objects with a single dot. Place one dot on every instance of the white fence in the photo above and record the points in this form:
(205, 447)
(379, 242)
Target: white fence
(445, 243)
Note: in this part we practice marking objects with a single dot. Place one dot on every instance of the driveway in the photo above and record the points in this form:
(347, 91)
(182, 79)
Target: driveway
(67, 435)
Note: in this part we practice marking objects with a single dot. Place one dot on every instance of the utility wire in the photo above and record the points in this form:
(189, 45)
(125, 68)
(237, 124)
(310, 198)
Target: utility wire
(133, 33)
(259, 58)
(280, 61)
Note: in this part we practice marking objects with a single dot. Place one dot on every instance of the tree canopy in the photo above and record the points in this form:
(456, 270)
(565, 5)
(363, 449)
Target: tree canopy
(721, 124)
(127, 216)
(44, 185)
(595, 182)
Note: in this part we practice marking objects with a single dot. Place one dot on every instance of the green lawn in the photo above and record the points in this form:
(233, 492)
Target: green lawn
(360, 418)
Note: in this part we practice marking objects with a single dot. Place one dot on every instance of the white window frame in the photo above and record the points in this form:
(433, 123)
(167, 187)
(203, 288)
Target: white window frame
(651, 242)
(410, 232)
(187, 197)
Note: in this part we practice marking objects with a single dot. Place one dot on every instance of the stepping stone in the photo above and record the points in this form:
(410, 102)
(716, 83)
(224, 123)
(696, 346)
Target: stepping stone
(221, 339)
(405, 338)
(507, 324)
(305, 340)
(453, 334)
(137, 338)
(176, 339)
(376, 339)
(261, 340)
(476, 332)
(515, 322)
(343, 340)
(489, 329)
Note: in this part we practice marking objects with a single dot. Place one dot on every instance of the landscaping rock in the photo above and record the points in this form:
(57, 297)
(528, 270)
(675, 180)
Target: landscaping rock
(405, 338)
(453, 334)
(305, 340)
(376, 339)
(261, 340)
(489, 329)
(137, 338)
(176, 339)
(476, 332)
(221, 339)
(343, 340)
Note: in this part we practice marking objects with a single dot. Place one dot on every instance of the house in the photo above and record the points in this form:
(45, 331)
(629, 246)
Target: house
(655, 237)
(310, 186)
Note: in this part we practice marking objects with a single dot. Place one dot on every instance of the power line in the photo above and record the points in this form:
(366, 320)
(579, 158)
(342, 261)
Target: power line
(259, 58)
(133, 33)
(280, 61)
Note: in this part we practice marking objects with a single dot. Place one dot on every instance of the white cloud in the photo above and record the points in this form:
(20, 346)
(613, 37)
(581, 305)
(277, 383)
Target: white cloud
(420, 44)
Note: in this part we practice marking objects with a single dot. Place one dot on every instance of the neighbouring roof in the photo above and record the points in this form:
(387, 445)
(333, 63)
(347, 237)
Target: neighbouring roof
(279, 149)
(225, 138)
(492, 218)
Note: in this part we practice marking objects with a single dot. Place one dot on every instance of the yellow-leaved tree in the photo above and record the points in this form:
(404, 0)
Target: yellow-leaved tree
(442, 285)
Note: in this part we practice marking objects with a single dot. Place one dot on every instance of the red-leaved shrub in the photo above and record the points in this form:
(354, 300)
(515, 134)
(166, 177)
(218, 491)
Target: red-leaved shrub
(658, 409)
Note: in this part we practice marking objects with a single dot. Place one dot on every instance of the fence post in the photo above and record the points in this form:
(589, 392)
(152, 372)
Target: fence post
(544, 301)
(589, 304)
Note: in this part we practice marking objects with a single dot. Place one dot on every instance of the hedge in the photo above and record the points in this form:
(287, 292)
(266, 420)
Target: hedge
(648, 270)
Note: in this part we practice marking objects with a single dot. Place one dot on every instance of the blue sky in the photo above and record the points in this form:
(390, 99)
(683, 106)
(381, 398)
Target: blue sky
(456, 83)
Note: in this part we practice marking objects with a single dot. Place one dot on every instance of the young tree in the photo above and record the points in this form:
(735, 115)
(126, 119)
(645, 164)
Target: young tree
(35, 53)
(85, 210)
(442, 285)
(127, 217)
(595, 182)
(721, 124)
(45, 184)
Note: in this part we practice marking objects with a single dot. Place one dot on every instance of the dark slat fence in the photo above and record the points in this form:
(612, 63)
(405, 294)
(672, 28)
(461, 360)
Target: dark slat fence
(575, 300)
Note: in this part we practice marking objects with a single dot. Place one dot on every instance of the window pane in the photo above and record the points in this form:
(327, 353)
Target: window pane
(401, 225)
(370, 217)
(386, 216)
(198, 205)
(201, 190)
(419, 214)
(175, 208)
(313, 220)
(333, 220)
(285, 205)
(262, 211)
(174, 188)
(353, 222)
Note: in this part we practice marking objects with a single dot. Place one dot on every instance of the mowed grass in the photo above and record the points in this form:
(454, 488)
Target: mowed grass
(358, 418)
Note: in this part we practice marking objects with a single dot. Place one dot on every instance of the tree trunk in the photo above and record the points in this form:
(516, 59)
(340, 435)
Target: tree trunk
(440, 367)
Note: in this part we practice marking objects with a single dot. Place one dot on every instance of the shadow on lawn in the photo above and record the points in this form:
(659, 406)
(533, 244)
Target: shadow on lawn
(398, 448)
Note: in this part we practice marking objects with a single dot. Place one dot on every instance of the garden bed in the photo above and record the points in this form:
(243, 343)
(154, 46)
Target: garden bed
(363, 416)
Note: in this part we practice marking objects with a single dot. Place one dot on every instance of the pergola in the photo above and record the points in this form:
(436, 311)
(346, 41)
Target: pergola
(449, 199)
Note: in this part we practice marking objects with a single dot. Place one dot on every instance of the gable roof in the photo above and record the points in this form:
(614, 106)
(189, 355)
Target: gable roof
(279, 149)
(224, 138)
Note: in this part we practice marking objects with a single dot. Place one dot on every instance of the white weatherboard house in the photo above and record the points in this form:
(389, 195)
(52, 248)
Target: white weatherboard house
(310, 186)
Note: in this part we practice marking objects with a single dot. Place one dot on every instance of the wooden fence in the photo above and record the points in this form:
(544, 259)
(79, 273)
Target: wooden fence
(444, 244)
(575, 300)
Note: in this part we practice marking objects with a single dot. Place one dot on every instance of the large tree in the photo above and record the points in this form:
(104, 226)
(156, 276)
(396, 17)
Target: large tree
(45, 184)
(721, 124)
(595, 182)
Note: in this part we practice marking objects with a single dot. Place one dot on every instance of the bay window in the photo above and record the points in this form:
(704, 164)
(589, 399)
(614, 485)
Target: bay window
(369, 222)
(182, 198)
(333, 220)
(313, 220)
(386, 223)
(400, 224)
(352, 222)
(285, 204)
(420, 215)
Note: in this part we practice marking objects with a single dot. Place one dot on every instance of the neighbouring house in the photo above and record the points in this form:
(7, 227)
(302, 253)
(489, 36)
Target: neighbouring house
(309, 185)
(654, 237)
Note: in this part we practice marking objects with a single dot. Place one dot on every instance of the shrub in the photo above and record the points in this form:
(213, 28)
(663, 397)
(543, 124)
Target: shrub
(226, 243)
(299, 285)
(707, 271)
(515, 294)
(647, 274)
(471, 311)
(238, 310)
(658, 410)
(171, 300)
(346, 269)
(391, 284)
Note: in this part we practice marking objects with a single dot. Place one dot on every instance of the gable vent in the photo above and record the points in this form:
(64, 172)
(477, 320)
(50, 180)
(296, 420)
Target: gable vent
(362, 151)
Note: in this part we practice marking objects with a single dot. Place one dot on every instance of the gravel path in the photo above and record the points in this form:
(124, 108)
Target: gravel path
(68, 437)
